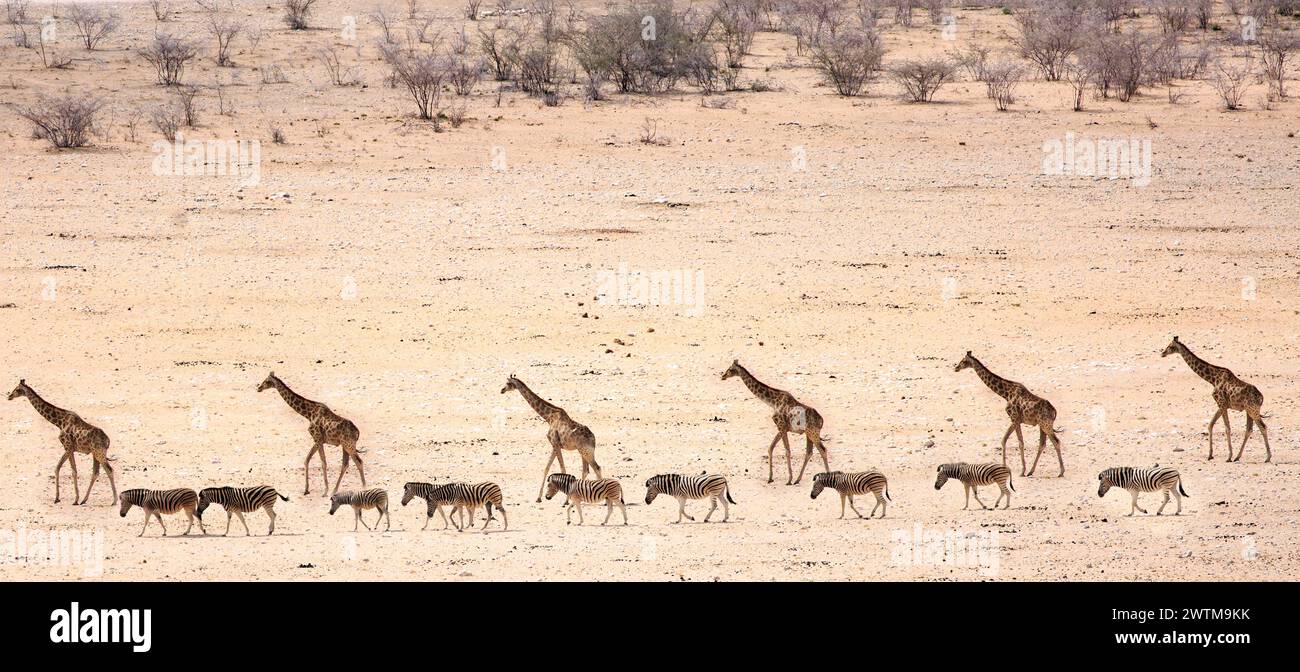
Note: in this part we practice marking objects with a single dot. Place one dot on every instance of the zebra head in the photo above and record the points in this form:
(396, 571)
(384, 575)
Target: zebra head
(20, 391)
(733, 370)
(943, 475)
(819, 484)
(130, 498)
(966, 362)
(1171, 348)
(1106, 482)
(339, 499)
(408, 492)
(270, 382)
(208, 496)
(558, 483)
(657, 485)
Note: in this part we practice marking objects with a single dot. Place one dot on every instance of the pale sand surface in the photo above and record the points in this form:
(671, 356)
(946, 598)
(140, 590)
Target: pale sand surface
(174, 296)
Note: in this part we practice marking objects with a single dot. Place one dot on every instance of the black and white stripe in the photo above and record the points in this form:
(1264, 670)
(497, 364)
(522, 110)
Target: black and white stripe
(374, 498)
(858, 483)
(435, 495)
(470, 497)
(581, 492)
(157, 502)
(974, 475)
(238, 501)
(1155, 479)
(710, 486)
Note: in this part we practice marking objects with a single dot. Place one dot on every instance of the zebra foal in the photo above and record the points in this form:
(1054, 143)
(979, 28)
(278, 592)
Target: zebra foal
(1155, 479)
(848, 485)
(471, 497)
(374, 498)
(710, 486)
(974, 475)
(157, 502)
(436, 496)
(238, 501)
(578, 492)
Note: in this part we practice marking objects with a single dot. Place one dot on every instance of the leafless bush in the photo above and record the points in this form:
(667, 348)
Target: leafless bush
(412, 8)
(650, 133)
(338, 73)
(1230, 80)
(16, 12)
(974, 59)
(464, 73)
(187, 103)
(935, 10)
(459, 42)
(848, 59)
(162, 10)
(1001, 78)
(224, 29)
(1050, 31)
(384, 18)
(131, 124)
(500, 46)
(297, 13)
(1119, 62)
(253, 34)
(1276, 52)
(735, 24)
(272, 73)
(277, 135)
(167, 119)
(1175, 16)
(168, 55)
(49, 57)
(921, 78)
(1204, 11)
(903, 12)
(702, 68)
(1078, 72)
(471, 9)
(1113, 11)
(640, 65)
(92, 24)
(64, 121)
(591, 51)
(421, 74)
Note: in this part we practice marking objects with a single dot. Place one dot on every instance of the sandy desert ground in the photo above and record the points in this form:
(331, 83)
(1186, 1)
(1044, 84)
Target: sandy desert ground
(399, 276)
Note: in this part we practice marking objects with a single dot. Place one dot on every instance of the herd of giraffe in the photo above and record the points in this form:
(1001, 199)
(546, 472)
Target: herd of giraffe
(328, 428)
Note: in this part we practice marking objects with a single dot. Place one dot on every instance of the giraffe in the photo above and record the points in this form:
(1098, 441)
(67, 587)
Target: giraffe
(564, 434)
(77, 436)
(1230, 394)
(789, 415)
(1023, 408)
(327, 427)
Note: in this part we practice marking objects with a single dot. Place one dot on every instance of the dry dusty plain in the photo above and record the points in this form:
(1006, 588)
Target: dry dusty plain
(850, 250)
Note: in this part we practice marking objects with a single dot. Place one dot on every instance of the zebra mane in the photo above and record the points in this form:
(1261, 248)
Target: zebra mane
(134, 495)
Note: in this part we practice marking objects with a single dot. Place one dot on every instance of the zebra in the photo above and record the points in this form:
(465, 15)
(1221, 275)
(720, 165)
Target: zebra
(238, 501)
(436, 496)
(578, 492)
(470, 497)
(711, 486)
(156, 502)
(374, 498)
(974, 475)
(848, 485)
(1155, 479)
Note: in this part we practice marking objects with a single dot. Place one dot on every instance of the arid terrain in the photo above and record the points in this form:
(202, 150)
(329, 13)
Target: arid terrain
(848, 249)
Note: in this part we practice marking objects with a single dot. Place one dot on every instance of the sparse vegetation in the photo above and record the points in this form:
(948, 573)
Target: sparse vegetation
(848, 59)
(92, 23)
(169, 55)
(64, 121)
(297, 13)
(922, 78)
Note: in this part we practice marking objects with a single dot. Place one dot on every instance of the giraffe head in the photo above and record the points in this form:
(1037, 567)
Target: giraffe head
(1171, 348)
(512, 383)
(270, 382)
(966, 362)
(20, 391)
(733, 370)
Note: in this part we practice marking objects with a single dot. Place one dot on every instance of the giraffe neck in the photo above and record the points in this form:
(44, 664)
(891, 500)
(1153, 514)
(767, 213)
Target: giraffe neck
(544, 408)
(763, 391)
(57, 416)
(1000, 386)
(1199, 366)
(300, 404)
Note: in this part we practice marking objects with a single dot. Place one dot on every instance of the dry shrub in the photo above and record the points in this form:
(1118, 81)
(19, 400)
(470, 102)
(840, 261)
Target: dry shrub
(1001, 78)
(1230, 80)
(422, 74)
(168, 55)
(167, 119)
(921, 78)
(297, 13)
(1276, 52)
(224, 29)
(92, 24)
(848, 59)
(1050, 31)
(64, 121)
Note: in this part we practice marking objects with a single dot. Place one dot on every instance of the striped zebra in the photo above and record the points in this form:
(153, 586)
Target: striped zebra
(374, 498)
(156, 502)
(974, 475)
(436, 496)
(1155, 479)
(238, 501)
(578, 492)
(848, 485)
(710, 486)
(470, 497)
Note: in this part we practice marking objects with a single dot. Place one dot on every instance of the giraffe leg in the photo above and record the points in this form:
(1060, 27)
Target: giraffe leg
(808, 451)
(588, 454)
(306, 469)
(770, 449)
(1227, 434)
(342, 469)
(547, 472)
(789, 466)
(1021, 437)
(1042, 443)
(1217, 414)
(59, 467)
(94, 474)
(1056, 443)
(1263, 432)
(1006, 436)
(1250, 425)
(361, 468)
(324, 472)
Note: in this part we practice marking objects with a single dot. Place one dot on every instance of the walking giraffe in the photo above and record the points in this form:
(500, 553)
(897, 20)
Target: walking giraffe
(1023, 408)
(564, 434)
(77, 436)
(789, 415)
(326, 427)
(1230, 394)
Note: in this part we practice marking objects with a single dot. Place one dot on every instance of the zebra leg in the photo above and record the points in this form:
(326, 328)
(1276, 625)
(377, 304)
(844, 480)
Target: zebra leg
(621, 506)
(568, 514)
(1217, 415)
(843, 498)
(547, 471)
(726, 509)
(1042, 443)
(306, 469)
(880, 501)
(770, 448)
(580, 519)
(1250, 424)
(244, 522)
(976, 491)
(342, 469)
(681, 510)
(714, 502)
(1178, 499)
(229, 515)
(270, 513)
(505, 522)
(389, 516)
(967, 505)
(160, 522)
(1163, 504)
(146, 524)
(1135, 503)
(189, 514)
(855, 508)
(1002, 492)
(609, 510)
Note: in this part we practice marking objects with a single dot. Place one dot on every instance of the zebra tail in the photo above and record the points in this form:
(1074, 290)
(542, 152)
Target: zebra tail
(282, 496)
(1010, 484)
(1181, 491)
(727, 492)
(887, 493)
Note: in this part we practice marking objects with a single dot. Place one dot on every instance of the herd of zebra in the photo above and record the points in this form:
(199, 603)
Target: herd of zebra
(790, 416)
